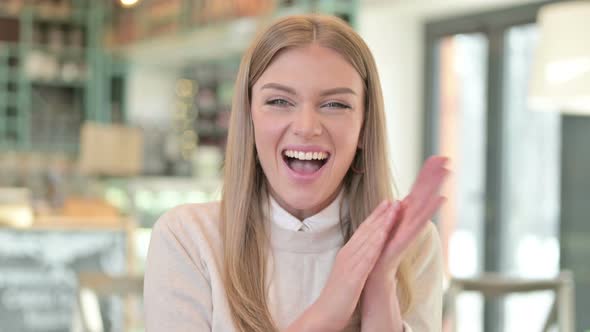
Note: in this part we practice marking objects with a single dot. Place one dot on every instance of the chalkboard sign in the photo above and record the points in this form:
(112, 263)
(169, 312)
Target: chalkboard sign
(38, 276)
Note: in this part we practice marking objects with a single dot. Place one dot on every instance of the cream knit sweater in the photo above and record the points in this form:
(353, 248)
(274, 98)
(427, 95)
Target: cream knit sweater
(183, 288)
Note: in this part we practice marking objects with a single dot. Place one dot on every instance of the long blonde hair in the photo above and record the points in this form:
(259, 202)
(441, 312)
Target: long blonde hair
(244, 233)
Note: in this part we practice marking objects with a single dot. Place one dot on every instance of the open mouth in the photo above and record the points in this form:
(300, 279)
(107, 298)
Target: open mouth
(305, 162)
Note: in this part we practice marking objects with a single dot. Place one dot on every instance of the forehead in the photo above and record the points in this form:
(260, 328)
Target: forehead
(311, 67)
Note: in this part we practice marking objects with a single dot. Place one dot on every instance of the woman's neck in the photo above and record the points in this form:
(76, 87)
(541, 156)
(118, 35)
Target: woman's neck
(303, 214)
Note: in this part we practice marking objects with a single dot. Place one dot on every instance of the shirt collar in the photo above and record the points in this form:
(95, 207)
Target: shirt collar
(321, 221)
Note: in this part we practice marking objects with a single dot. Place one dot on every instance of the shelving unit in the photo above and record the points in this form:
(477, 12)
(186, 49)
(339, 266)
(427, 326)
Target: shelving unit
(54, 73)
(213, 82)
(213, 76)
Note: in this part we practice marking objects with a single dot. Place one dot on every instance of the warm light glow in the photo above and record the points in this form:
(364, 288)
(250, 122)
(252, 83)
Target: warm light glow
(16, 215)
(129, 3)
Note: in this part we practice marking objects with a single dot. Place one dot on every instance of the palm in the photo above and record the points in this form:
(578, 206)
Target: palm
(417, 209)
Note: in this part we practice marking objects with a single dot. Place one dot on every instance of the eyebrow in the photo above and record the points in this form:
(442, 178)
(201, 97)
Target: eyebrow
(277, 86)
(324, 93)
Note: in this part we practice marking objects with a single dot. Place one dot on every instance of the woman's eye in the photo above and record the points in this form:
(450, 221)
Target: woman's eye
(278, 102)
(334, 104)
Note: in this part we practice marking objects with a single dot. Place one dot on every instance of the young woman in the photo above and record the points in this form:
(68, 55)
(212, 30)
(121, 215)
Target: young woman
(307, 236)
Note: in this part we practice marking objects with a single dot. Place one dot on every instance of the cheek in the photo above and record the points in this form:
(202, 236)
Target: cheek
(267, 132)
(348, 148)
(346, 139)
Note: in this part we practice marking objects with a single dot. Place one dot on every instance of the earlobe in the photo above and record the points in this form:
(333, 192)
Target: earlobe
(361, 136)
(357, 163)
(359, 145)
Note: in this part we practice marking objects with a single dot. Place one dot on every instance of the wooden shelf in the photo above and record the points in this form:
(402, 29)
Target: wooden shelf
(76, 16)
(59, 83)
(6, 15)
(66, 51)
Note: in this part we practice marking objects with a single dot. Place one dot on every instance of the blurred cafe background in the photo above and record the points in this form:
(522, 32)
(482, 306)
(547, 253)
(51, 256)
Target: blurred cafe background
(113, 111)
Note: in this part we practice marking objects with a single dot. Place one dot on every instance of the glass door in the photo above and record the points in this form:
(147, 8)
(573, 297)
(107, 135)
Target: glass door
(503, 208)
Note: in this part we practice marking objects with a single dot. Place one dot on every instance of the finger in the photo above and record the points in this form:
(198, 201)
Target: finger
(408, 229)
(418, 210)
(377, 212)
(394, 217)
(430, 164)
(430, 167)
(361, 235)
(431, 208)
(398, 219)
(369, 225)
(417, 202)
(385, 223)
(413, 227)
(360, 263)
(430, 181)
(377, 236)
(434, 183)
(364, 259)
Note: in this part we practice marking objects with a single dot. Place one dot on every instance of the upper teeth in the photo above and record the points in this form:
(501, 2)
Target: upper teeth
(306, 155)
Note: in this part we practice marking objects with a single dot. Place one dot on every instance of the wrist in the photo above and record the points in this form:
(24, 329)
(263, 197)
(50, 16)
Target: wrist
(382, 280)
(311, 321)
(380, 309)
(378, 295)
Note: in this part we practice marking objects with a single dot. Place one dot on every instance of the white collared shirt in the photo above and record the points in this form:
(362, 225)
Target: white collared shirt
(321, 221)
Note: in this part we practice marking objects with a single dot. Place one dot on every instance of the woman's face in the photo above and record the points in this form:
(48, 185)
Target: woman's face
(307, 109)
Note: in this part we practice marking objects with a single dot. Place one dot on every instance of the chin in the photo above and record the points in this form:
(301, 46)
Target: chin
(304, 198)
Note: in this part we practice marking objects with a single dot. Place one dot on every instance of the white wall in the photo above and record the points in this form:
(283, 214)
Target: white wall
(394, 30)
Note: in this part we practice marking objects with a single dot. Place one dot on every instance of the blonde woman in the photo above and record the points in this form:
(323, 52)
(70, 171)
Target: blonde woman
(307, 236)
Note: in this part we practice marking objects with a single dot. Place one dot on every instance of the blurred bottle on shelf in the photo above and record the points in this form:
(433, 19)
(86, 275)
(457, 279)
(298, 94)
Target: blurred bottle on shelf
(41, 66)
(70, 71)
(76, 38)
(56, 39)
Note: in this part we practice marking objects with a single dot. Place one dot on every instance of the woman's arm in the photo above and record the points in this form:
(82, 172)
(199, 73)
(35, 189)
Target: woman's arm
(177, 295)
(381, 310)
(415, 237)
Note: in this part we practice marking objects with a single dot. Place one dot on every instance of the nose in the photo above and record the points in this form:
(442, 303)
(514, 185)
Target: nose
(307, 122)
